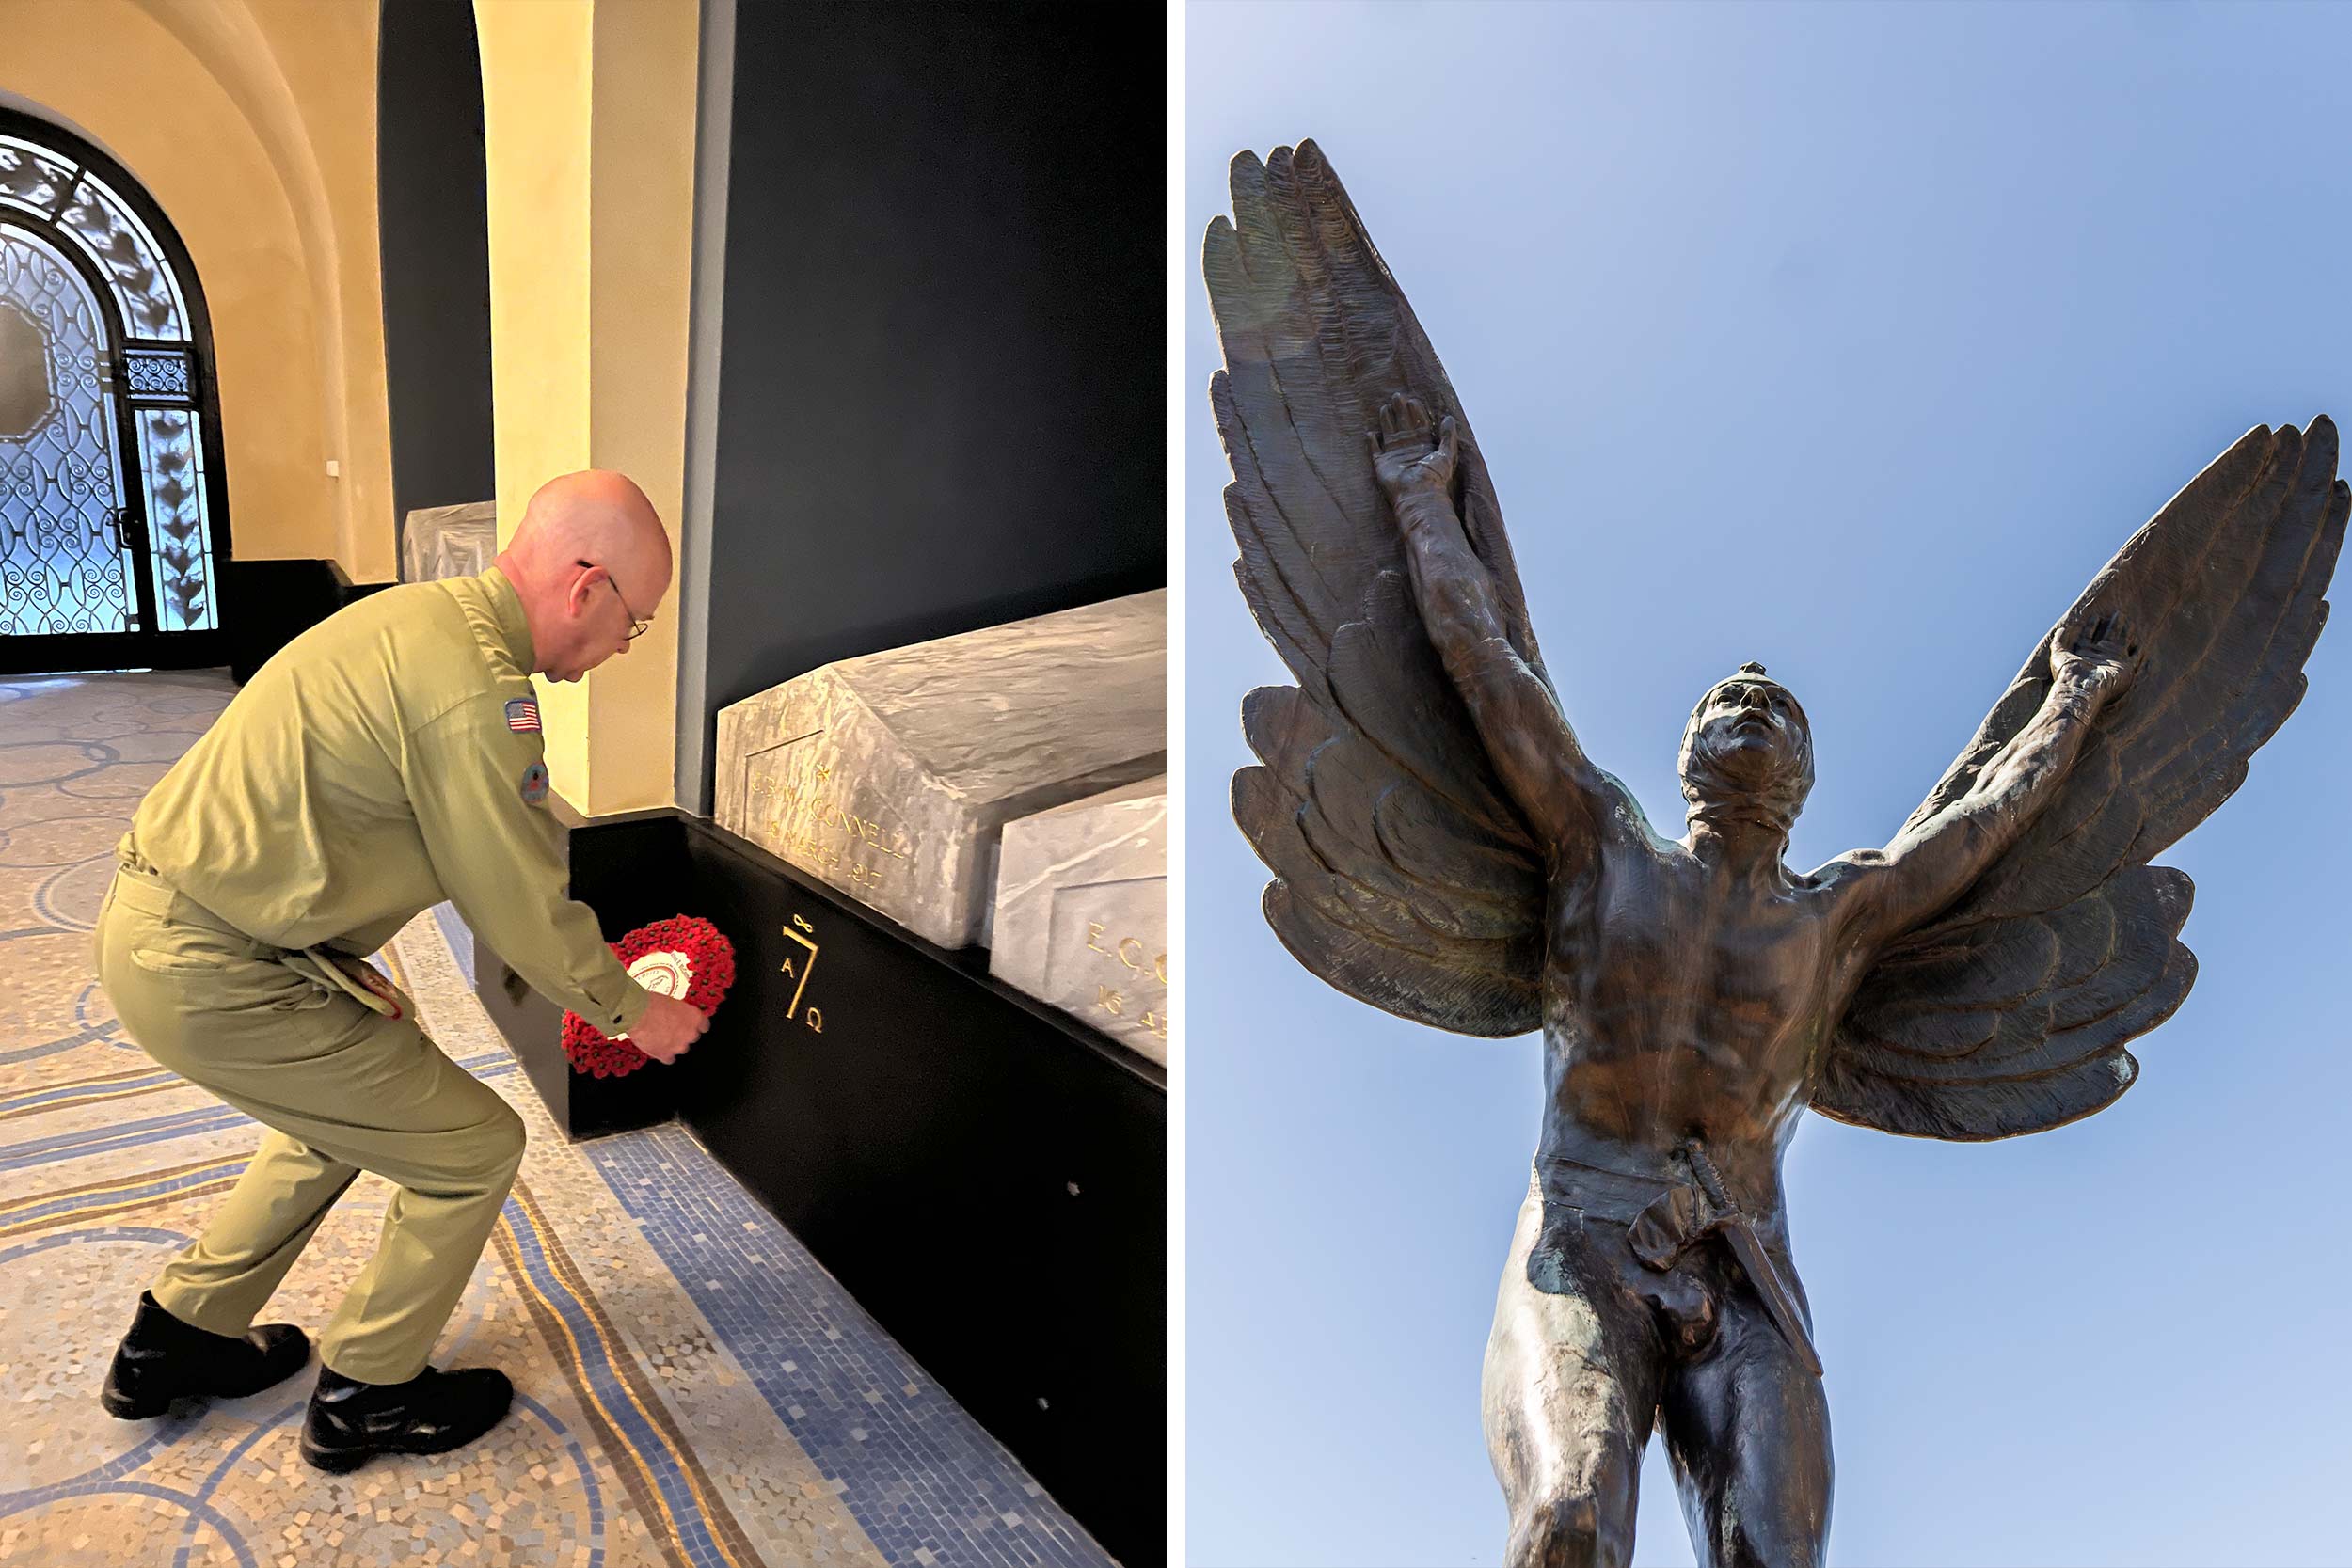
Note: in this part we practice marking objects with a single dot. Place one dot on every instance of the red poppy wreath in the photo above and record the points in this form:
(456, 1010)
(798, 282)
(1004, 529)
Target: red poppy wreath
(682, 956)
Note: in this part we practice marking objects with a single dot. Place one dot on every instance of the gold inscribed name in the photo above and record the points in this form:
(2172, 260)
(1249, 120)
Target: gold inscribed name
(1130, 952)
(820, 856)
(863, 832)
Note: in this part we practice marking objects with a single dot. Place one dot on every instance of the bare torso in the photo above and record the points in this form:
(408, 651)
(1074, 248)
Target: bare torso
(1684, 1001)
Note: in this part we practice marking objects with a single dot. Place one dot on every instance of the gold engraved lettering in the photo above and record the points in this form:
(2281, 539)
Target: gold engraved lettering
(851, 825)
(808, 965)
(818, 853)
(829, 814)
(1129, 951)
(1110, 1001)
(803, 924)
(816, 1021)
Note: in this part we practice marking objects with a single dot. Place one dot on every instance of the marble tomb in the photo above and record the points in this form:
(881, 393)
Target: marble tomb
(891, 776)
(449, 541)
(1082, 911)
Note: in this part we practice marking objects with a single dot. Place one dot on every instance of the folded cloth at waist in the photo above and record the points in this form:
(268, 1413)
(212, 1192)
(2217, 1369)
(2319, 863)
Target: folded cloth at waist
(1617, 1184)
(143, 888)
(1682, 1203)
(1597, 1192)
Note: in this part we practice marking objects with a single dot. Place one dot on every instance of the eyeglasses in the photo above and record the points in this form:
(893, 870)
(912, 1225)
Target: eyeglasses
(637, 629)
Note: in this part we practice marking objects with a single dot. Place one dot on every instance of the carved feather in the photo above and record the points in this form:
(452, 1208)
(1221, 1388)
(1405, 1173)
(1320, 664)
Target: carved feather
(1404, 875)
(2009, 1012)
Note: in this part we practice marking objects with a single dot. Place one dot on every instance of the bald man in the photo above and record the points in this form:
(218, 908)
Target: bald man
(387, 759)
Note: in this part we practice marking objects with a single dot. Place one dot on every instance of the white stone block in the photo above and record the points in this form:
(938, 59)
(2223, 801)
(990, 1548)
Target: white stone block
(891, 776)
(1082, 911)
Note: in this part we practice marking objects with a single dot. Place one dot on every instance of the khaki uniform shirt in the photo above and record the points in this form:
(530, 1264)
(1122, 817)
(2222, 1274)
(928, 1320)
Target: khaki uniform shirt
(381, 762)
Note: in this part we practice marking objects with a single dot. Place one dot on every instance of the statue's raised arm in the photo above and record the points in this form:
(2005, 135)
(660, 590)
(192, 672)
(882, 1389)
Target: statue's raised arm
(1567, 802)
(1410, 867)
(2019, 937)
(1941, 852)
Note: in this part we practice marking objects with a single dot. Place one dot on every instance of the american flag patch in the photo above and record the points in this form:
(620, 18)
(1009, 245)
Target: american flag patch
(522, 715)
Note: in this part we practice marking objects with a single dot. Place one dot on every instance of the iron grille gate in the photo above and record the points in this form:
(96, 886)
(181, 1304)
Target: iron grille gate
(113, 515)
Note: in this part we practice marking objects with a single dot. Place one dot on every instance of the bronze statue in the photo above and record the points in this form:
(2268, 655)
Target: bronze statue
(1444, 849)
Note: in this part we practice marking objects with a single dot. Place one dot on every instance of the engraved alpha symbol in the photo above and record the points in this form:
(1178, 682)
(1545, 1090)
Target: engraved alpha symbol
(797, 965)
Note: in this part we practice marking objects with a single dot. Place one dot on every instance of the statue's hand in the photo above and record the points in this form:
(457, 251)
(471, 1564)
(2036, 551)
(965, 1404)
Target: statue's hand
(1407, 456)
(2098, 653)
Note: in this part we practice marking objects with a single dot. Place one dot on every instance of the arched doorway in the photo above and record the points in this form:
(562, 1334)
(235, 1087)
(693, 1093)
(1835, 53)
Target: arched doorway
(114, 516)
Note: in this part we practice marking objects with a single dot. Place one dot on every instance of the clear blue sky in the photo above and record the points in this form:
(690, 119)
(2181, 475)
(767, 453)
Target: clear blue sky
(1853, 339)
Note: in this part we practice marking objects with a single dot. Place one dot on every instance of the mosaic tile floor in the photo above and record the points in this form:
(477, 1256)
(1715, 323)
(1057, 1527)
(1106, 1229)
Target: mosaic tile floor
(692, 1389)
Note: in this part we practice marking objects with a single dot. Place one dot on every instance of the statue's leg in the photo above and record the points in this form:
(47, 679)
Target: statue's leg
(1747, 1427)
(1569, 1394)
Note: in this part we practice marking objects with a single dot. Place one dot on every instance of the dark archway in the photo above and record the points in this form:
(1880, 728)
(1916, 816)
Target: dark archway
(433, 216)
(114, 502)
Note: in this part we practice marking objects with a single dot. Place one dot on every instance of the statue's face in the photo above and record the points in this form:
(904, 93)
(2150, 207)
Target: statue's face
(1749, 725)
(1749, 743)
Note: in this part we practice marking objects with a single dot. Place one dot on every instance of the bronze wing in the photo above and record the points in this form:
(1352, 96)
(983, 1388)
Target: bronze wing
(2009, 1012)
(1402, 874)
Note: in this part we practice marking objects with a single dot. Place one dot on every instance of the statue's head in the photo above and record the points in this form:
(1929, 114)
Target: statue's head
(1747, 754)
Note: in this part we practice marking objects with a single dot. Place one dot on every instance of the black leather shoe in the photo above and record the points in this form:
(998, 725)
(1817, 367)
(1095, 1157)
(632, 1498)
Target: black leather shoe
(350, 1423)
(162, 1359)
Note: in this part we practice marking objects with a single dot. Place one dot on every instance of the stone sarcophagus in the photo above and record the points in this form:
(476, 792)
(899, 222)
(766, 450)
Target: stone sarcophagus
(449, 541)
(891, 776)
(1082, 911)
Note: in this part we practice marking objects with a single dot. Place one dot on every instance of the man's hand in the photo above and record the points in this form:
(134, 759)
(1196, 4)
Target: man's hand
(668, 1028)
(2097, 654)
(1406, 457)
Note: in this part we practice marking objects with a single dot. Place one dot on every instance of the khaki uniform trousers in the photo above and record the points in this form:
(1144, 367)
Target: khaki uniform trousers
(343, 1089)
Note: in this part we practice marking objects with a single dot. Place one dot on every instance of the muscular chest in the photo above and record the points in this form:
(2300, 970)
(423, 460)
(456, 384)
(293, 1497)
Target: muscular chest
(1645, 949)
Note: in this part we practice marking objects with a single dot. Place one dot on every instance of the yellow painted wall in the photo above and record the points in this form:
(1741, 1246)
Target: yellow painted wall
(640, 277)
(253, 124)
(325, 53)
(588, 117)
(146, 96)
(536, 91)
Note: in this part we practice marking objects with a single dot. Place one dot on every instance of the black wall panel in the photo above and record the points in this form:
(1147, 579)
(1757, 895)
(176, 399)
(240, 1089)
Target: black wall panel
(942, 392)
(277, 601)
(987, 1176)
(434, 217)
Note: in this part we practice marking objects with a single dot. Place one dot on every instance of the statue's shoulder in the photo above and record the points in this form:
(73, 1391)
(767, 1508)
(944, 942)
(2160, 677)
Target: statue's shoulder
(1853, 869)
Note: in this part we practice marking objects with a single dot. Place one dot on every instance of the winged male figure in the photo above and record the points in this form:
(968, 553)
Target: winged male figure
(1444, 849)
